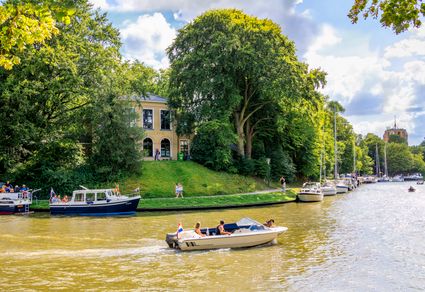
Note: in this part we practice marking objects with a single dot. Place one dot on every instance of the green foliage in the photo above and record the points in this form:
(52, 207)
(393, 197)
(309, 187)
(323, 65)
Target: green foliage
(281, 164)
(399, 159)
(227, 65)
(399, 15)
(211, 145)
(396, 139)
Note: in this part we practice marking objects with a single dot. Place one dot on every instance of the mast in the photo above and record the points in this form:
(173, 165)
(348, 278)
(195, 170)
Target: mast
(335, 147)
(354, 156)
(378, 168)
(385, 160)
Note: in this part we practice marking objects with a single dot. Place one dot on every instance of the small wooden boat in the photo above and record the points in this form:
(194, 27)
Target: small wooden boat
(310, 192)
(411, 189)
(98, 202)
(244, 233)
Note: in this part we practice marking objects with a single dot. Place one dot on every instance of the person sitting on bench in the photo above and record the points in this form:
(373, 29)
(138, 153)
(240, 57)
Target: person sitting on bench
(220, 229)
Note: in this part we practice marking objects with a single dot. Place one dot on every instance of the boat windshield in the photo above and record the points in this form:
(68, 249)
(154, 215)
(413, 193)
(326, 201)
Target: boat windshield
(310, 185)
(247, 221)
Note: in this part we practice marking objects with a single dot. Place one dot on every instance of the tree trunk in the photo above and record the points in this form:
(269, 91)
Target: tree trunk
(249, 136)
(241, 135)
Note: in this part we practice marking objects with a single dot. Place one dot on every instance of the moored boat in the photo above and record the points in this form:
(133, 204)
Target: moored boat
(341, 186)
(397, 178)
(15, 203)
(310, 192)
(328, 188)
(96, 202)
(244, 233)
(414, 177)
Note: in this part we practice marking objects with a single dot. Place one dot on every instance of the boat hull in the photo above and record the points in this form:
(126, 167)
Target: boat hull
(242, 240)
(310, 197)
(328, 191)
(124, 207)
(341, 189)
(10, 208)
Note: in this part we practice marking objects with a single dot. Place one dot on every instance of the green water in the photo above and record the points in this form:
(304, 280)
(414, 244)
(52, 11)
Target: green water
(368, 240)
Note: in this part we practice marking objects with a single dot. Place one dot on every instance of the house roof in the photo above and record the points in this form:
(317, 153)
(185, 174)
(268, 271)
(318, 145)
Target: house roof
(150, 98)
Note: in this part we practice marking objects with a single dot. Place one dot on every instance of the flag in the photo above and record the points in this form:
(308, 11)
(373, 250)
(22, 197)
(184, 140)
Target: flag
(179, 229)
(52, 193)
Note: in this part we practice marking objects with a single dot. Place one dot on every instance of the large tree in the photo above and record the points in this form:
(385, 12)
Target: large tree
(227, 65)
(399, 15)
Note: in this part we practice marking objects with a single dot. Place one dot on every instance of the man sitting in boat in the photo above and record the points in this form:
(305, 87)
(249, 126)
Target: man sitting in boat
(198, 229)
(220, 229)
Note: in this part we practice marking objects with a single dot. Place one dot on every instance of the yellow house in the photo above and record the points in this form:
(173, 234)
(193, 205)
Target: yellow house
(160, 140)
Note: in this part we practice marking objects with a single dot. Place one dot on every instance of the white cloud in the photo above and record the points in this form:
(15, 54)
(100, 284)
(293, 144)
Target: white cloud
(147, 39)
(406, 48)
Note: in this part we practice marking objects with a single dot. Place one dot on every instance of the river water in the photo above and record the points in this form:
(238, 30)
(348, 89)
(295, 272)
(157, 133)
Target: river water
(368, 240)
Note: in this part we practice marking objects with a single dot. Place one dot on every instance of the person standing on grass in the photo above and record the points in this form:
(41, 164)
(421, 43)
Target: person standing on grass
(283, 184)
(179, 190)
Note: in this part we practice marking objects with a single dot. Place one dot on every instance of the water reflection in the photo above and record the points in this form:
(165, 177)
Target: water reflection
(367, 240)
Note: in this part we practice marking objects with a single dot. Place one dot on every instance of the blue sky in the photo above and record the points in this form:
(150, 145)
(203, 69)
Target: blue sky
(374, 73)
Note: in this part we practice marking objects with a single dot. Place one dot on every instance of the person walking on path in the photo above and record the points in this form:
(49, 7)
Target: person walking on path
(283, 184)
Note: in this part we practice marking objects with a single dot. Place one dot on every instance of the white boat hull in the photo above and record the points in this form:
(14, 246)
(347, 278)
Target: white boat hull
(328, 191)
(341, 189)
(235, 240)
(310, 197)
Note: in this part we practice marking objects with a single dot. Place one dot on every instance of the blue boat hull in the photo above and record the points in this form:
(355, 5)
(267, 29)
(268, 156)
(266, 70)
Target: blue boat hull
(107, 209)
(6, 209)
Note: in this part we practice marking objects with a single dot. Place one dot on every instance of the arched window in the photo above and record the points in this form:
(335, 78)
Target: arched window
(165, 148)
(148, 147)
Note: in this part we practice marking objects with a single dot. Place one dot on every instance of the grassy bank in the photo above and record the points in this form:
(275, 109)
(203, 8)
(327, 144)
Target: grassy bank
(203, 202)
(158, 180)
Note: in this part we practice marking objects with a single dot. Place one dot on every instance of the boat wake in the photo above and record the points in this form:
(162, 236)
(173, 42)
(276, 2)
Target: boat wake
(154, 250)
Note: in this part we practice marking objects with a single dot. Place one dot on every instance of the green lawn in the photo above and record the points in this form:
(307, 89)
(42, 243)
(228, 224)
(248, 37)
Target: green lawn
(205, 202)
(158, 180)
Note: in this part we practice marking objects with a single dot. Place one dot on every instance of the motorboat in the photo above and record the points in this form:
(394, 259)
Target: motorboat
(370, 180)
(96, 202)
(420, 182)
(349, 182)
(397, 178)
(15, 203)
(341, 186)
(384, 179)
(310, 192)
(328, 188)
(411, 189)
(244, 233)
(412, 177)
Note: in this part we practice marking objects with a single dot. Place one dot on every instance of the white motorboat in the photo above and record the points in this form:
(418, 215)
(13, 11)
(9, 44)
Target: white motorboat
(349, 182)
(415, 176)
(341, 186)
(397, 178)
(370, 180)
(99, 202)
(310, 192)
(15, 203)
(244, 233)
(328, 188)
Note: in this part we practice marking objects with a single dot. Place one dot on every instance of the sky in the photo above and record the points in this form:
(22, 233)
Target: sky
(374, 73)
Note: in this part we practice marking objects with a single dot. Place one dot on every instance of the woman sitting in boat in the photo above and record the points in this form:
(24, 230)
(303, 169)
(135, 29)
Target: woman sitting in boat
(198, 229)
(269, 223)
(220, 229)
(65, 199)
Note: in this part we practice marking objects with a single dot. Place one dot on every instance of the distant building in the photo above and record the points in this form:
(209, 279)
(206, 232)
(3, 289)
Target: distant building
(154, 116)
(402, 133)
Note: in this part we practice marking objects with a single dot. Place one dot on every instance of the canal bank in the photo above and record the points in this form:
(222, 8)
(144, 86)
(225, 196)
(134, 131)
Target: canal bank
(260, 198)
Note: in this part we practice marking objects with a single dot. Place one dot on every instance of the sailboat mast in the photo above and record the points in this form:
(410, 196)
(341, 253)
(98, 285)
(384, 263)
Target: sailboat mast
(385, 160)
(378, 168)
(335, 146)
